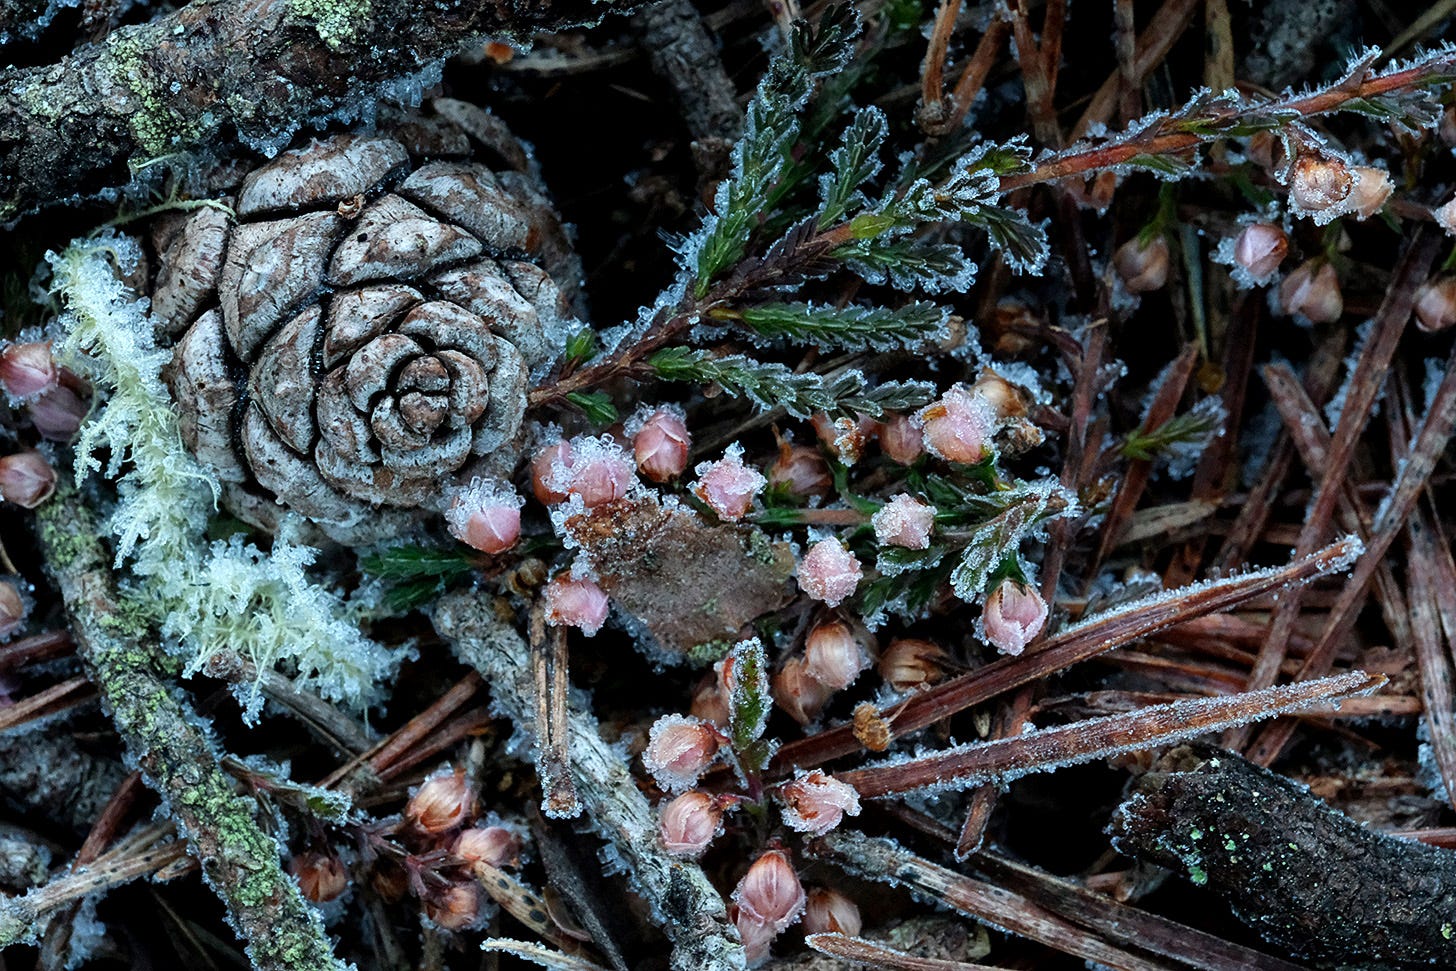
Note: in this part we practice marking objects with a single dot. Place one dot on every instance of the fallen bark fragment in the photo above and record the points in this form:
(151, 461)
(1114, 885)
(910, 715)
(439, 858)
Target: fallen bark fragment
(1302, 874)
(687, 907)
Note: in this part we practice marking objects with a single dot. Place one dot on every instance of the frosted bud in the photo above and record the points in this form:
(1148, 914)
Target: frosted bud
(442, 802)
(901, 439)
(455, 908)
(26, 479)
(844, 437)
(958, 426)
(27, 370)
(688, 823)
(14, 606)
(1143, 266)
(575, 603)
(485, 515)
(551, 466)
(756, 935)
(909, 663)
(1446, 217)
(770, 892)
(679, 750)
(492, 845)
(710, 703)
(830, 912)
(727, 486)
(1320, 185)
(661, 446)
(1435, 310)
(1005, 399)
(1313, 291)
(815, 803)
(833, 656)
(829, 572)
(1370, 192)
(1014, 614)
(800, 471)
(321, 876)
(904, 521)
(57, 413)
(1260, 248)
(600, 473)
(801, 696)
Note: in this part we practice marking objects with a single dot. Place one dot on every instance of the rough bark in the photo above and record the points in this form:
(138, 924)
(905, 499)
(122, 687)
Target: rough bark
(1304, 875)
(171, 747)
(217, 73)
(688, 908)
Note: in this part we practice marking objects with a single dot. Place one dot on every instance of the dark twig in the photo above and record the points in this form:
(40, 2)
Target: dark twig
(1304, 875)
(553, 739)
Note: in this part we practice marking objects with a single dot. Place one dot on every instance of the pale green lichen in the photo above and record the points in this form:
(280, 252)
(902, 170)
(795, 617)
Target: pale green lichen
(336, 21)
(226, 596)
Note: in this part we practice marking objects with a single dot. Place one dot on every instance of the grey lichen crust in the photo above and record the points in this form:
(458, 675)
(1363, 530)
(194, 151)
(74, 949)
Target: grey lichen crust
(688, 908)
(361, 338)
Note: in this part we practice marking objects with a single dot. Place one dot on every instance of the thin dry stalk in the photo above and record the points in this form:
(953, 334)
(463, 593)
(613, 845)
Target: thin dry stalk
(355, 773)
(1052, 748)
(1099, 635)
(874, 955)
(553, 743)
(71, 693)
(1429, 571)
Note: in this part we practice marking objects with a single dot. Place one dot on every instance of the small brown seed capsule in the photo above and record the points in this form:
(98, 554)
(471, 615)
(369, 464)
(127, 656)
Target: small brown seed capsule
(909, 663)
(321, 876)
(441, 803)
(26, 479)
(1143, 266)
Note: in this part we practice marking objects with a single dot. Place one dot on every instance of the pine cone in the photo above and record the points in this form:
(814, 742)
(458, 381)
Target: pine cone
(360, 338)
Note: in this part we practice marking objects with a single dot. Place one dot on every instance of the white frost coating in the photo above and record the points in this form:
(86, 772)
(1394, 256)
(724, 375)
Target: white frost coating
(1335, 407)
(207, 599)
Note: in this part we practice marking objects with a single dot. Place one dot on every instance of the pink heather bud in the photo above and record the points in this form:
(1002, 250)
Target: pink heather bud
(321, 876)
(485, 515)
(1370, 192)
(688, 823)
(757, 936)
(844, 437)
(1320, 187)
(1446, 217)
(1260, 248)
(710, 702)
(1313, 291)
(815, 803)
(958, 426)
(1005, 399)
(829, 572)
(27, 370)
(26, 479)
(798, 694)
(57, 414)
(833, 656)
(661, 446)
(800, 471)
(830, 912)
(575, 603)
(908, 664)
(679, 750)
(492, 845)
(770, 892)
(442, 802)
(901, 440)
(727, 486)
(600, 472)
(1435, 311)
(1014, 614)
(551, 465)
(14, 606)
(456, 908)
(1143, 266)
(904, 521)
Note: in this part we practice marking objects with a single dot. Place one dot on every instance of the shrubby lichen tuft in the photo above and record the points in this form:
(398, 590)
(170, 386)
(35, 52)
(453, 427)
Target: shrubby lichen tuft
(205, 598)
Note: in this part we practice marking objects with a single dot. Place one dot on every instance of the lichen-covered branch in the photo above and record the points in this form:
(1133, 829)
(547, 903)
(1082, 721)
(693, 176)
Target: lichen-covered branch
(1301, 873)
(221, 72)
(690, 910)
(170, 746)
